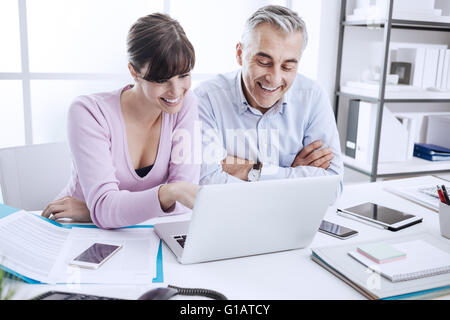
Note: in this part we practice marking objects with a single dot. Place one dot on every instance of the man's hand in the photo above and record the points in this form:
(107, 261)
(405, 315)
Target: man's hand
(237, 167)
(312, 156)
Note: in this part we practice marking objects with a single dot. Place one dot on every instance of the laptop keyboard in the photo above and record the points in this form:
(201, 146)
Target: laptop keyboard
(180, 239)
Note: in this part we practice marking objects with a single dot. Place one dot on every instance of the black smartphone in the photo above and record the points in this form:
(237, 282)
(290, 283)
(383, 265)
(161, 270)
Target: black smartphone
(336, 230)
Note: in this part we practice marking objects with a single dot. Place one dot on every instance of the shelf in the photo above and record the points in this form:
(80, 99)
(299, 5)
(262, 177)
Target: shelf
(395, 96)
(413, 166)
(401, 24)
(395, 19)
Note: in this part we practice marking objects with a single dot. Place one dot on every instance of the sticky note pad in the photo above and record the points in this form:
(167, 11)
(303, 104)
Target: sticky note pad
(381, 252)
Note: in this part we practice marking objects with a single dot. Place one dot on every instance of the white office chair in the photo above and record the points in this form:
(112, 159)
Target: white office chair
(32, 176)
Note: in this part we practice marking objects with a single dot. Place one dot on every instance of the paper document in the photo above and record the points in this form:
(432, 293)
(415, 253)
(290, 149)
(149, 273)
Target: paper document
(420, 194)
(39, 250)
(443, 176)
(135, 263)
(30, 245)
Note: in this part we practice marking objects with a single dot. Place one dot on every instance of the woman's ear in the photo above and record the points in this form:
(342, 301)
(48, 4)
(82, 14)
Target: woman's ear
(132, 71)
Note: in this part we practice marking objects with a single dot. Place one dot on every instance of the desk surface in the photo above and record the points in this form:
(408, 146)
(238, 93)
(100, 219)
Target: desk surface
(284, 275)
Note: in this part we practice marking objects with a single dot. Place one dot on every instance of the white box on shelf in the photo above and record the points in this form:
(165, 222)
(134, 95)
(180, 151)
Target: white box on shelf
(421, 119)
(394, 138)
(445, 70)
(438, 131)
(424, 58)
(415, 56)
(430, 68)
(411, 5)
(415, 10)
(411, 127)
(440, 68)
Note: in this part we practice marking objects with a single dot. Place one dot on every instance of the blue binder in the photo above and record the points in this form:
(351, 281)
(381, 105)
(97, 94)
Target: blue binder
(7, 210)
(431, 152)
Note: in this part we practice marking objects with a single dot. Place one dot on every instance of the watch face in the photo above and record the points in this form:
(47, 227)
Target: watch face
(253, 175)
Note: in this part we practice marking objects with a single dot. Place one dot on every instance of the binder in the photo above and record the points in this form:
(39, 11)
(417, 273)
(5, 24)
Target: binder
(396, 135)
(7, 210)
(352, 128)
(431, 152)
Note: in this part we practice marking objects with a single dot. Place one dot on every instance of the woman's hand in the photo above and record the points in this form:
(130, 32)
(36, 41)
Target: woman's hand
(67, 207)
(183, 192)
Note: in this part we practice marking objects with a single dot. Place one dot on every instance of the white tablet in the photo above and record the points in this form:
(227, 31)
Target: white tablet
(386, 217)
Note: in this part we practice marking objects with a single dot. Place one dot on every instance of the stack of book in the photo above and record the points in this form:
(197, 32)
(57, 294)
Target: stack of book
(431, 152)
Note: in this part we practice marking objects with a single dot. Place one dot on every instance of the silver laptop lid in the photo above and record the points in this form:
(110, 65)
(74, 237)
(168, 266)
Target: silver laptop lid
(241, 219)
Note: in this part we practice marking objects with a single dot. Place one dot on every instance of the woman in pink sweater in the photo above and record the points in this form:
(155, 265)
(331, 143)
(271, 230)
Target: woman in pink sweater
(135, 150)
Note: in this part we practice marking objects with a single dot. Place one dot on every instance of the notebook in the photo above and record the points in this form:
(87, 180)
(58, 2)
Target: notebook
(422, 260)
(370, 284)
(381, 252)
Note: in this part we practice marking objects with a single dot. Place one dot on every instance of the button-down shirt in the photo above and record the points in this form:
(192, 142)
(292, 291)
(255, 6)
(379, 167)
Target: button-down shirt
(230, 126)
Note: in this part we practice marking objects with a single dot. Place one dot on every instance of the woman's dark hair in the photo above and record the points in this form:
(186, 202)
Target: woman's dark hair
(160, 41)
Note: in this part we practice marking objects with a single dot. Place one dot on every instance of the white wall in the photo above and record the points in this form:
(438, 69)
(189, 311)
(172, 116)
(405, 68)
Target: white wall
(328, 45)
(319, 59)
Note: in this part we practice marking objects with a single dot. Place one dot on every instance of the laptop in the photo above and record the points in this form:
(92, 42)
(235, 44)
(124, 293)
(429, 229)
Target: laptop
(243, 219)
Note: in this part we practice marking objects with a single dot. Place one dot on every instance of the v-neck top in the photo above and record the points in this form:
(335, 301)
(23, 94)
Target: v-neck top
(103, 175)
(142, 172)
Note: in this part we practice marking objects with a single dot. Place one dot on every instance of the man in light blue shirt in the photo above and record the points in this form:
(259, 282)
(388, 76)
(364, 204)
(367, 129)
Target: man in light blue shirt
(266, 121)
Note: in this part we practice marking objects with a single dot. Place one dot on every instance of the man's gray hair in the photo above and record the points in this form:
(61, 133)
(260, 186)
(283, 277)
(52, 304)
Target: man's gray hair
(281, 17)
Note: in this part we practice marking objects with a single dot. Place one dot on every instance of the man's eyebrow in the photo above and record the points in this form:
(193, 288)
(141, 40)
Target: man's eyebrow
(265, 55)
(291, 61)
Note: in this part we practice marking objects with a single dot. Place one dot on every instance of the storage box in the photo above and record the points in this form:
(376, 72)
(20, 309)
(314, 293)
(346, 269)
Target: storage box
(438, 131)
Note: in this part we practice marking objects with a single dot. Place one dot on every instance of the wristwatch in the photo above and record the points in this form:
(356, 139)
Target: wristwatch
(255, 172)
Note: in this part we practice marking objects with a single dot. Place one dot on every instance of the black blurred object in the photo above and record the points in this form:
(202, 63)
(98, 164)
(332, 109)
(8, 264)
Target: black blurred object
(153, 294)
(403, 69)
(170, 291)
(159, 294)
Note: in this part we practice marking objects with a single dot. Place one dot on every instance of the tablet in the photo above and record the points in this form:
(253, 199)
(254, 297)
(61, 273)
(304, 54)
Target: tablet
(386, 217)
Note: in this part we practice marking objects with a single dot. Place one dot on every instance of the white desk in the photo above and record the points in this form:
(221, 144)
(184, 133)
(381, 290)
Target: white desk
(284, 275)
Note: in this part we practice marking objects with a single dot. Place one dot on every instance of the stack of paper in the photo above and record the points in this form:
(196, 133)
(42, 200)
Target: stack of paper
(37, 250)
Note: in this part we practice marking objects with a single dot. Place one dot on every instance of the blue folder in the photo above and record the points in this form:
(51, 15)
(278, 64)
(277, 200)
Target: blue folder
(7, 210)
(431, 152)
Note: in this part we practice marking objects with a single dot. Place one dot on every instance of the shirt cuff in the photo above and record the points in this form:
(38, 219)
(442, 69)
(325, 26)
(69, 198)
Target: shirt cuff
(269, 171)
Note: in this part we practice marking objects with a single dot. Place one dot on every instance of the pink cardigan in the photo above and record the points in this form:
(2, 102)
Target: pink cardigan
(103, 174)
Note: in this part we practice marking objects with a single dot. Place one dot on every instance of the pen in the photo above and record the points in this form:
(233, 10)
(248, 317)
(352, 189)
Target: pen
(441, 194)
(444, 191)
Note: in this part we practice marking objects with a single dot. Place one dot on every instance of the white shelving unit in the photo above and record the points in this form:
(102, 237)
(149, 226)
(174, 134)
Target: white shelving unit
(413, 166)
(380, 95)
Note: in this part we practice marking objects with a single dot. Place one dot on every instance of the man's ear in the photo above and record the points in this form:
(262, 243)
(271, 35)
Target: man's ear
(239, 52)
(132, 72)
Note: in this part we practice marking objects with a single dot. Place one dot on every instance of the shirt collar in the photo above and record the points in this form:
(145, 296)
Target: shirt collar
(243, 105)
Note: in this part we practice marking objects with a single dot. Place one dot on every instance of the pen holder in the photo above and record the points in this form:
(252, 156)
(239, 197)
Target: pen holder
(444, 219)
